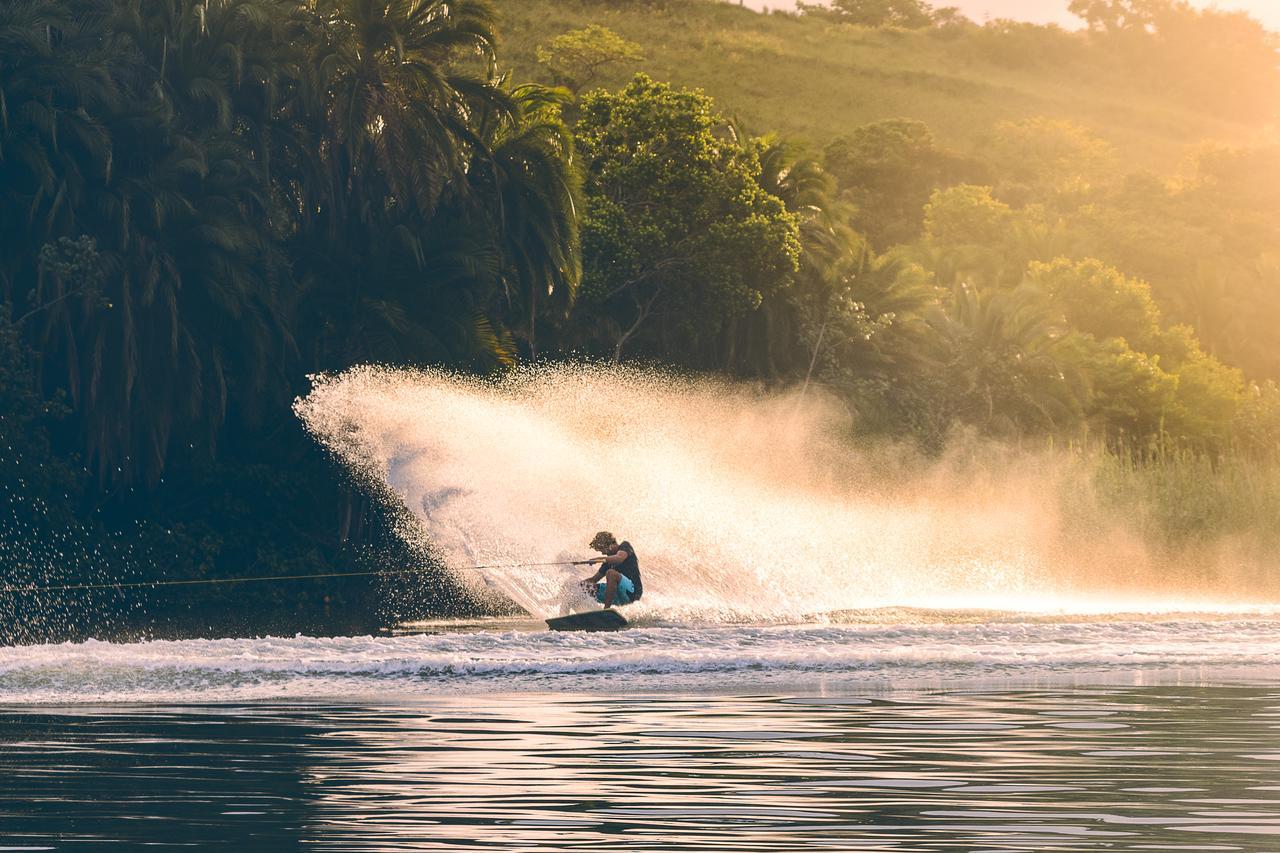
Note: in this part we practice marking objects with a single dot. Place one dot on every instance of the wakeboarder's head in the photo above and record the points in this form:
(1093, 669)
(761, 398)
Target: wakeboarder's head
(604, 542)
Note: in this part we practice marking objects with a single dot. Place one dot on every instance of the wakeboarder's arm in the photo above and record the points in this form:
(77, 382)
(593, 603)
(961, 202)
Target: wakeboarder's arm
(620, 556)
(603, 568)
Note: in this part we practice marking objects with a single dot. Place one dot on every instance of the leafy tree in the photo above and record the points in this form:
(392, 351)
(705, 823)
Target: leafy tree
(1046, 160)
(1114, 16)
(966, 215)
(676, 226)
(1257, 427)
(1130, 397)
(967, 235)
(1201, 244)
(1233, 55)
(909, 14)
(887, 170)
(1100, 300)
(1026, 46)
(576, 58)
(1208, 402)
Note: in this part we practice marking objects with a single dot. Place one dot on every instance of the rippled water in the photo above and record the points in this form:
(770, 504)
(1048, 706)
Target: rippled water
(981, 732)
(1087, 768)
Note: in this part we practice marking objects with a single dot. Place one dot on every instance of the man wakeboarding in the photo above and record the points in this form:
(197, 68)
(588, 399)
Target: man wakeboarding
(618, 581)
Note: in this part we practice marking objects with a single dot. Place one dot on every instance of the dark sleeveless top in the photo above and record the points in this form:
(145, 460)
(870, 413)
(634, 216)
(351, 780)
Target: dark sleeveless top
(630, 567)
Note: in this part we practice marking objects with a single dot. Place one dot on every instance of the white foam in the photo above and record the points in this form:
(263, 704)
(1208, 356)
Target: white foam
(707, 658)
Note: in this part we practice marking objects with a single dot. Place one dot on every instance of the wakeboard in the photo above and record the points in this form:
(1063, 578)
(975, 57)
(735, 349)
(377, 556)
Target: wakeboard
(592, 620)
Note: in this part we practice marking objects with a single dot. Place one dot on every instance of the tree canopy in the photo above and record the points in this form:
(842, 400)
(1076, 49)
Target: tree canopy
(677, 232)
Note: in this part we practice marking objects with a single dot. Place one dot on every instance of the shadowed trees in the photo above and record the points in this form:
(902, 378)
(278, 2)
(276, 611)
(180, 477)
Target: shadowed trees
(257, 188)
(526, 163)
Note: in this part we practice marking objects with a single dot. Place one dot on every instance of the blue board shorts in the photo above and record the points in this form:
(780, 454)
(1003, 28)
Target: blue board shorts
(626, 591)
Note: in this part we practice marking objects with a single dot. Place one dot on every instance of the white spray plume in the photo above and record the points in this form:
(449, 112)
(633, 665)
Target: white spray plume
(740, 504)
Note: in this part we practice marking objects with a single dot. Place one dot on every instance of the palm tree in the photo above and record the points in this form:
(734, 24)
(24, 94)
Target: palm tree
(191, 316)
(767, 341)
(399, 111)
(525, 176)
(384, 275)
(182, 312)
(800, 181)
(168, 153)
(55, 81)
(998, 351)
(223, 64)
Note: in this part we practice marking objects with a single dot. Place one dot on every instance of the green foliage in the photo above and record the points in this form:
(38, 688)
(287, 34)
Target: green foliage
(1207, 405)
(1018, 45)
(1047, 160)
(971, 236)
(1204, 244)
(202, 203)
(1100, 300)
(910, 14)
(676, 226)
(1113, 16)
(527, 163)
(863, 322)
(576, 58)
(809, 80)
(888, 170)
(1130, 397)
(966, 215)
(26, 452)
(1257, 427)
(1002, 362)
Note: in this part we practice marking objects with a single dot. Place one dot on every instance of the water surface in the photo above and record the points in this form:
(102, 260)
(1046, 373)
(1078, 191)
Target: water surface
(1162, 767)
(903, 731)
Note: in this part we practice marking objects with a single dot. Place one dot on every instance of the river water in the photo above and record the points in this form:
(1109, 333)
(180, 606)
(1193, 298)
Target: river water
(1152, 733)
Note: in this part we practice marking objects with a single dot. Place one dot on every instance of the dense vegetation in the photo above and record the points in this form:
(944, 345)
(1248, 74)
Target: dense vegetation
(205, 202)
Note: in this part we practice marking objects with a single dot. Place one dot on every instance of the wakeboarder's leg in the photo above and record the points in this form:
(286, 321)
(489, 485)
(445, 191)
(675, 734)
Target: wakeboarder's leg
(611, 586)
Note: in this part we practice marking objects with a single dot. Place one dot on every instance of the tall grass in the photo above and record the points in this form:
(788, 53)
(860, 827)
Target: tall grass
(1189, 497)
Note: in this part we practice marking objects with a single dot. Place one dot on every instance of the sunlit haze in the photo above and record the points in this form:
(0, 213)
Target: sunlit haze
(1055, 11)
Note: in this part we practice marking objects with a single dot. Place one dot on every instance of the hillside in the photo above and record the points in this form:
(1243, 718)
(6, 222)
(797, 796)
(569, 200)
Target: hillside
(815, 80)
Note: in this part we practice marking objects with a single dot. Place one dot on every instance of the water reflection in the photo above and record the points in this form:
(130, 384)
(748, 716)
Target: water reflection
(1158, 768)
